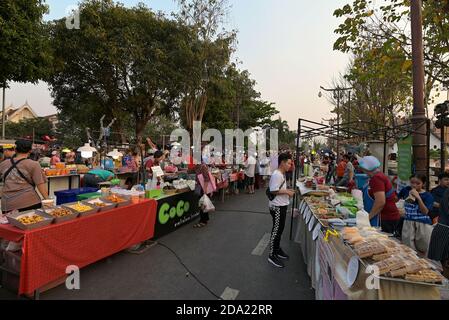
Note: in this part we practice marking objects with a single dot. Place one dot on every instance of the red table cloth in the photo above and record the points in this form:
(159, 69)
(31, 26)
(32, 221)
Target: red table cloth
(48, 251)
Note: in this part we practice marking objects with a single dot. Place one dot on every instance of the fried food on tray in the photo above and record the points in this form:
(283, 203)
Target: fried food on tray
(115, 199)
(60, 212)
(80, 207)
(30, 219)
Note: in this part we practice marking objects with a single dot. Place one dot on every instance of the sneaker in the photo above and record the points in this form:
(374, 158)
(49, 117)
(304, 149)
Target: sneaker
(275, 262)
(281, 254)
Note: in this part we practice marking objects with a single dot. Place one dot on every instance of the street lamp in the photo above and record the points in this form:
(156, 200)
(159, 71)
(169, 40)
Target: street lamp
(337, 95)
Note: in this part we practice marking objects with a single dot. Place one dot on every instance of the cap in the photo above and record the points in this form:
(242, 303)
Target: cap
(8, 146)
(54, 153)
(369, 163)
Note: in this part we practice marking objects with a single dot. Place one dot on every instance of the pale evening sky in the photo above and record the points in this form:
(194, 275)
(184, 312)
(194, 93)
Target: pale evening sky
(285, 44)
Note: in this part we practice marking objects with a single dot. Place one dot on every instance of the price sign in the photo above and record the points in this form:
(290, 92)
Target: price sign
(316, 231)
(312, 223)
(353, 271)
(158, 171)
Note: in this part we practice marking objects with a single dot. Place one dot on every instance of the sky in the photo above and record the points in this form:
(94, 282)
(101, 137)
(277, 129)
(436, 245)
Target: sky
(286, 45)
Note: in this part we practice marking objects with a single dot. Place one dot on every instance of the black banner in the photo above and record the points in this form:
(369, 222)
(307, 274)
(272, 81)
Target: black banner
(174, 212)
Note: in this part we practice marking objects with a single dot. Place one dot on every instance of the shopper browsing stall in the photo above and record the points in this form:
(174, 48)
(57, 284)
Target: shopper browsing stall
(438, 193)
(278, 209)
(341, 167)
(21, 177)
(202, 174)
(55, 158)
(96, 176)
(250, 172)
(379, 197)
(439, 241)
(348, 175)
(417, 228)
(9, 151)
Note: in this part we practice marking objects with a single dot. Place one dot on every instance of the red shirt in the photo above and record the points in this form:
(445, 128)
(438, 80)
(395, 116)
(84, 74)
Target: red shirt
(380, 182)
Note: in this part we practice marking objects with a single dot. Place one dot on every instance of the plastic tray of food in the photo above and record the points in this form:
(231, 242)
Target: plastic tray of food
(29, 220)
(101, 205)
(118, 200)
(59, 214)
(81, 208)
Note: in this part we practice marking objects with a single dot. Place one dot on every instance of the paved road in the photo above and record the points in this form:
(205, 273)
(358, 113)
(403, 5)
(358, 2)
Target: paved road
(220, 255)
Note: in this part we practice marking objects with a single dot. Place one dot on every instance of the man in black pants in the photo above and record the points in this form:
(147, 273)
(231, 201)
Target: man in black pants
(278, 209)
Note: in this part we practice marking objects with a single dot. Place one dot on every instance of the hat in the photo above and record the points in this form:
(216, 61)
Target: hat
(54, 153)
(9, 146)
(369, 163)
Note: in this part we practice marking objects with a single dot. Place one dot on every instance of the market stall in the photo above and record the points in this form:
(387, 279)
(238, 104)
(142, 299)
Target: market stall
(63, 182)
(174, 211)
(48, 251)
(341, 260)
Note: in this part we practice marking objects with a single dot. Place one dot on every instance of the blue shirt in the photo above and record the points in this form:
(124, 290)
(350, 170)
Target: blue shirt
(412, 211)
(437, 194)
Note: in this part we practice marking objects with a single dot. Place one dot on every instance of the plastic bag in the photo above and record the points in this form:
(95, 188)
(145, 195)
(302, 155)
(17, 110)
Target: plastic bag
(206, 204)
(363, 219)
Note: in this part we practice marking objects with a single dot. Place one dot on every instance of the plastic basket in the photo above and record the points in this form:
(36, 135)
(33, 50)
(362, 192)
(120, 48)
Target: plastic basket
(67, 196)
(87, 196)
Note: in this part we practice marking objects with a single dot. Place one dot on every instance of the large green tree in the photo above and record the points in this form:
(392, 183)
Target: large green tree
(40, 127)
(24, 49)
(24, 54)
(388, 23)
(125, 63)
(210, 57)
(233, 102)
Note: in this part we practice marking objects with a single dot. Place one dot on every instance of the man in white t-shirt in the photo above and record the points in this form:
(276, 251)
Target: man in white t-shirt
(278, 209)
(250, 172)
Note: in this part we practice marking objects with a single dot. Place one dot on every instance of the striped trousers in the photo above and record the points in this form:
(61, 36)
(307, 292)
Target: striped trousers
(279, 215)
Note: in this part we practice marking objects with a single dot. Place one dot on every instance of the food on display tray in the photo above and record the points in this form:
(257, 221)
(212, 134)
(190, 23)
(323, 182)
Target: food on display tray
(115, 199)
(428, 276)
(80, 207)
(27, 220)
(59, 212)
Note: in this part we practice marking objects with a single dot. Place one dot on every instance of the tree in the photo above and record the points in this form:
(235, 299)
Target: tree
(24, 50)
(234, 103)
(40, 127)
(285, 135)
(125, 63)
(389, 24)
(211, 54)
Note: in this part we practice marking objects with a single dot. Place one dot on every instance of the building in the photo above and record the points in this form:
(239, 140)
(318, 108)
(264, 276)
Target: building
(16, 115)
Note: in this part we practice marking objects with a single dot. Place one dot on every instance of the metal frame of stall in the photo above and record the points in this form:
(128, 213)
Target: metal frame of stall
(308, 129)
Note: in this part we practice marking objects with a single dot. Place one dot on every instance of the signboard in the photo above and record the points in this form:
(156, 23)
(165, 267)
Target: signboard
(158, 171)
(405, 158)
(174, 212)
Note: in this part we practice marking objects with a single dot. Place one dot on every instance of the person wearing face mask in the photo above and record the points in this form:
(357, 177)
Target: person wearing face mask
(417, 228)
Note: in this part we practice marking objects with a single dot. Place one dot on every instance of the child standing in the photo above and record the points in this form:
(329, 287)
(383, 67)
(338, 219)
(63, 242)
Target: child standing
(417, 228)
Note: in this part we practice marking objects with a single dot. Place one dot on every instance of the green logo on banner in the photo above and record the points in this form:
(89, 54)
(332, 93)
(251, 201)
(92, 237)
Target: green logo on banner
(405, 158)
(166, 213)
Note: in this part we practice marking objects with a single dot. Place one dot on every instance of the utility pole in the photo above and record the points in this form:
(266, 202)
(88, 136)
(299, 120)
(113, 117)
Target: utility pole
(419, 118)
(3, 113)
(337, 91)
